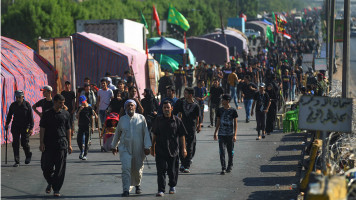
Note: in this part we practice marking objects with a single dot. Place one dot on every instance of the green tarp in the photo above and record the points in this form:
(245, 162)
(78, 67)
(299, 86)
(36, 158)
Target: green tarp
(168, 63)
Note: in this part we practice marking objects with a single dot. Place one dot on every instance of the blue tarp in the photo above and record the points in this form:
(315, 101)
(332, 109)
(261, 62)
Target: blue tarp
(267, 22)
(177, 57)
(163, 46)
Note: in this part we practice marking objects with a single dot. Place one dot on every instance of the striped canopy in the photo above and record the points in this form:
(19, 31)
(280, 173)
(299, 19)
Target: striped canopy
(22, 69)
(95, 55)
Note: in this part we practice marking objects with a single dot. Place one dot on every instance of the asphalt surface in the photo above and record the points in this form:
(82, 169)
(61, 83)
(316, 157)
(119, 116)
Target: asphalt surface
(258, 167)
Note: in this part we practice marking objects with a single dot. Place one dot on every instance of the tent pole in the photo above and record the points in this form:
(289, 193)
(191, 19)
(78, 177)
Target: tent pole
(133, 74)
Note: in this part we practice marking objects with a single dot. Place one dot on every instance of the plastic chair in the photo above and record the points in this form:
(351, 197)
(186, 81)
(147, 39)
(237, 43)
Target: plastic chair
(290, 122)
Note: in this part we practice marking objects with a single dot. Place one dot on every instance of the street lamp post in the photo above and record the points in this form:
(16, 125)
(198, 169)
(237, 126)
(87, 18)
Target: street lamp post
(346, 51)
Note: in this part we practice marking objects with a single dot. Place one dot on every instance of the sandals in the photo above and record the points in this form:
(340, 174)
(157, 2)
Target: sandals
(56, 194)
(48, 189)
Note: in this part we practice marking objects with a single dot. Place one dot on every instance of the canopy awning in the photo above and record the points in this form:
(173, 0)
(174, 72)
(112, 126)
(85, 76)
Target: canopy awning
(163, 46)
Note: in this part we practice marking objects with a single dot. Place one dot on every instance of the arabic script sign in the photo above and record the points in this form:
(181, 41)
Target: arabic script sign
(325, 114)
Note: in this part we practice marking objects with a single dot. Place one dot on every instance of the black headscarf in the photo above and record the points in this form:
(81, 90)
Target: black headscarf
(149, 103)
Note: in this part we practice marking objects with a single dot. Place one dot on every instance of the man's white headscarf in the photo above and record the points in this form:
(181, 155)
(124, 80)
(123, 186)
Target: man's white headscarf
(129, 101)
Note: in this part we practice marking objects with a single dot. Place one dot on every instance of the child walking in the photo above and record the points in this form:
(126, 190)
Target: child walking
(85, 125)
(227, 127)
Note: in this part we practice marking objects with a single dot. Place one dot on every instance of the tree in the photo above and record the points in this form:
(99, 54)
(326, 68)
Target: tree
(26, 20)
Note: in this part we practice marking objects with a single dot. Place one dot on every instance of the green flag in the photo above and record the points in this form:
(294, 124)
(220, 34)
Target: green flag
(175, 17)
(143, 20)
(269, 34)
(273, 18)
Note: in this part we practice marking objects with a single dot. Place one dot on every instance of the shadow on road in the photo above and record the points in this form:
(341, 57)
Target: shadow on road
(268, 181)
(275, 195)
(278, 168)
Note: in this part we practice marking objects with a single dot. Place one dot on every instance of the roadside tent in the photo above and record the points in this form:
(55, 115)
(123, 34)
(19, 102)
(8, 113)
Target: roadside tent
(239, 32)
(154, 69)
(95, 55)
(22, 69)
(257, 26)
(233, 39)
(211, 51)
(162, 46)
(178, 57)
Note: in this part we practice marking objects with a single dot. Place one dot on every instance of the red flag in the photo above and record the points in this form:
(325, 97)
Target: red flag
(305, 11)
(242, 15)
(156, 18)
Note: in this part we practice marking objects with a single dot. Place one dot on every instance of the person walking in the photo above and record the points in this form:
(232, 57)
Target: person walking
(190, 112)
(214, 101)
(286, 85)
(85, 126)
(91, 100)
(233, 81)
(189, 71)
(262, 102)
(272, 111)
(104, 97)
(55, 143)
(293, 85)
(22, 126)
(227, 127)
(132, 94)
(168, 133)
(248, 89)
(70, 103)
(226, 71)
(45, 103)
(163, 82)
(135, 143)
(200, 94)
(240, 74)
(218, 74)
(89, 95)
(179, 80)
(150, 106)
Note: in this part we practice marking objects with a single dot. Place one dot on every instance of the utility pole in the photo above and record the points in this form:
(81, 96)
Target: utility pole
(346, 51)
(327, 13)
(331, 43)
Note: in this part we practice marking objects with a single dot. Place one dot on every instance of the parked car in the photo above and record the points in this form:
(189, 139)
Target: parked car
(353, 31)
(251, 32)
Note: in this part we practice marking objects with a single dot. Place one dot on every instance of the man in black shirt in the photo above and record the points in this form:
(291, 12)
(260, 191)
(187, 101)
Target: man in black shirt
(189, 74)
(226, 71)
(248, 89)
(168, 132)
(227, 127)
(70, 103)
(55, 142)
(179, 80)
(240, 75)
(190, 112)
(22, 125)
(45, 103)
(214, 101)
(262, 102)
(163, 83)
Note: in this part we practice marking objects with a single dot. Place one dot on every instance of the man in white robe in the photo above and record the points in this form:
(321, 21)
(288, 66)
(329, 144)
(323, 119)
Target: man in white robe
(134, 143)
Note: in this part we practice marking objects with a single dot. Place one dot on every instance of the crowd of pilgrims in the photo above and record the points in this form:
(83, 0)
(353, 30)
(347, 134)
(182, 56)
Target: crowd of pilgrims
(275, 66)
(266, 80)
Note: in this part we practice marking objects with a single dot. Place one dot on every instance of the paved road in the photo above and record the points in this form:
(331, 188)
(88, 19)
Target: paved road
(258, 167)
